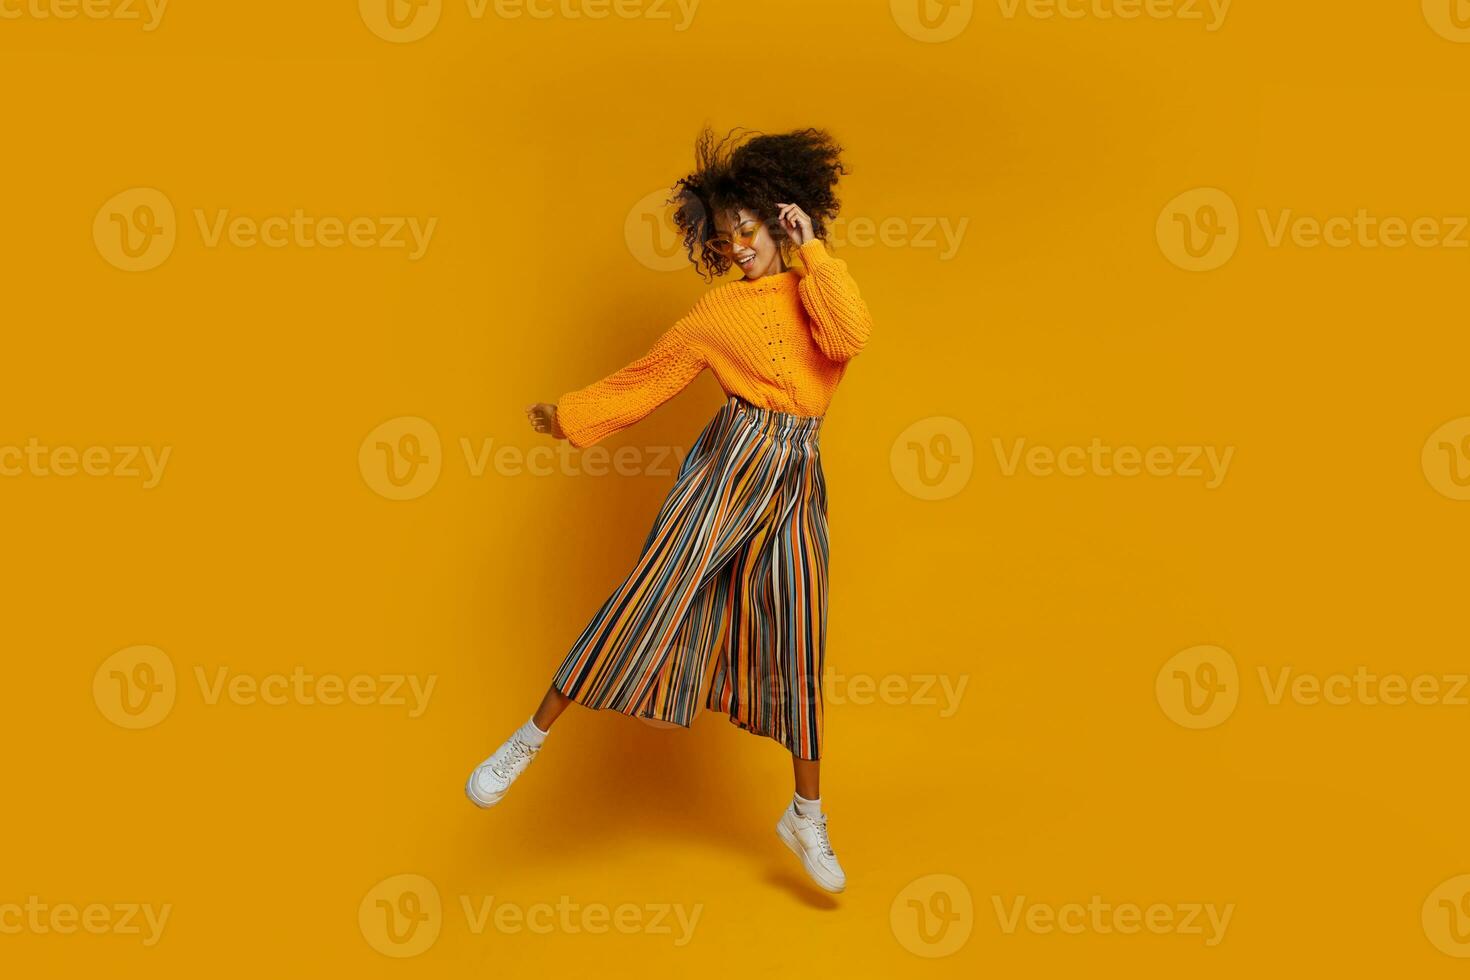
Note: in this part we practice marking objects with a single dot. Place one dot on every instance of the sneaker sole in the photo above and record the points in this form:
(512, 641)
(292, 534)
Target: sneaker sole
(814, 873)
(483, 802)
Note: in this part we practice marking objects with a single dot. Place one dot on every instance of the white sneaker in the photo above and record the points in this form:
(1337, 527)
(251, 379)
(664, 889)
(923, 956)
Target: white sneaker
(807, 839)
(491, 778)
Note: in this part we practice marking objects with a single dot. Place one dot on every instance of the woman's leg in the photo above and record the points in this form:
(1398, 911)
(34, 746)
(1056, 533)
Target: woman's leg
(552, 705)
(807, 772)
(491, 778)
(803, 828)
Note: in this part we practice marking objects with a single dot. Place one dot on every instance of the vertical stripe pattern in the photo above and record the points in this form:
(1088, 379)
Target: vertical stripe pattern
(734, 570)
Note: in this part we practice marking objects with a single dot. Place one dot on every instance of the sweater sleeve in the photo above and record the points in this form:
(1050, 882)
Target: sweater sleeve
(625, 397)
(841, 323)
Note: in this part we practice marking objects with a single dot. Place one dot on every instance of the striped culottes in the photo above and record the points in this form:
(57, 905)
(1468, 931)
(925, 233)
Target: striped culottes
(735, 568)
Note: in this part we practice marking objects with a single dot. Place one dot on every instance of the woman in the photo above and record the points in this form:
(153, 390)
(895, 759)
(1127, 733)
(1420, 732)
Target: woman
(735, 567)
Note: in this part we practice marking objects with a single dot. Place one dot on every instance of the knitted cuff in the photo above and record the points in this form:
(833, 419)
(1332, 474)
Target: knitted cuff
(571, 423)
(814, 254)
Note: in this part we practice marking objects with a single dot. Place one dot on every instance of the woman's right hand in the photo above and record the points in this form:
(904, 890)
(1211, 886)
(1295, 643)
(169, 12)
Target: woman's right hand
(543, 419)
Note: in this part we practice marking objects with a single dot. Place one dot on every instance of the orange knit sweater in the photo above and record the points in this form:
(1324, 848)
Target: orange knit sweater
(781, 342)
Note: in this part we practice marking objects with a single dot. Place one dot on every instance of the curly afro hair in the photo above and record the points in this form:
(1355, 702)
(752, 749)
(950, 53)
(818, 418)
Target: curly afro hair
(755, 171)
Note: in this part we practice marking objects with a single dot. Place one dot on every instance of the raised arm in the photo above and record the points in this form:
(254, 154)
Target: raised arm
(625, 397)
(841, 323)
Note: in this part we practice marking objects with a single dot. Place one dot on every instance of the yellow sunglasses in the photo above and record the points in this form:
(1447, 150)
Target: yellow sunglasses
(743, 234)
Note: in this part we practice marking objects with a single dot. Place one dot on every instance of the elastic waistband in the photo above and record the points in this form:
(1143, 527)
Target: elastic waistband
(783, 421)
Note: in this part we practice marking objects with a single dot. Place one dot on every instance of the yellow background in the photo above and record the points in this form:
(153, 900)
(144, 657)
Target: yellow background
(1056, 600)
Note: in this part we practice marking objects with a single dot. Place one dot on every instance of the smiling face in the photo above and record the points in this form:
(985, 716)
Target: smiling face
(742, 236)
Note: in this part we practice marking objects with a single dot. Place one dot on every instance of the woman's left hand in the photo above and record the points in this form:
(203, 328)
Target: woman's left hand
(797, 225)
(544, 418)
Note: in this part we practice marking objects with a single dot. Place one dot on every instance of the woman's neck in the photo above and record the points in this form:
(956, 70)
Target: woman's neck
(783, 268)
